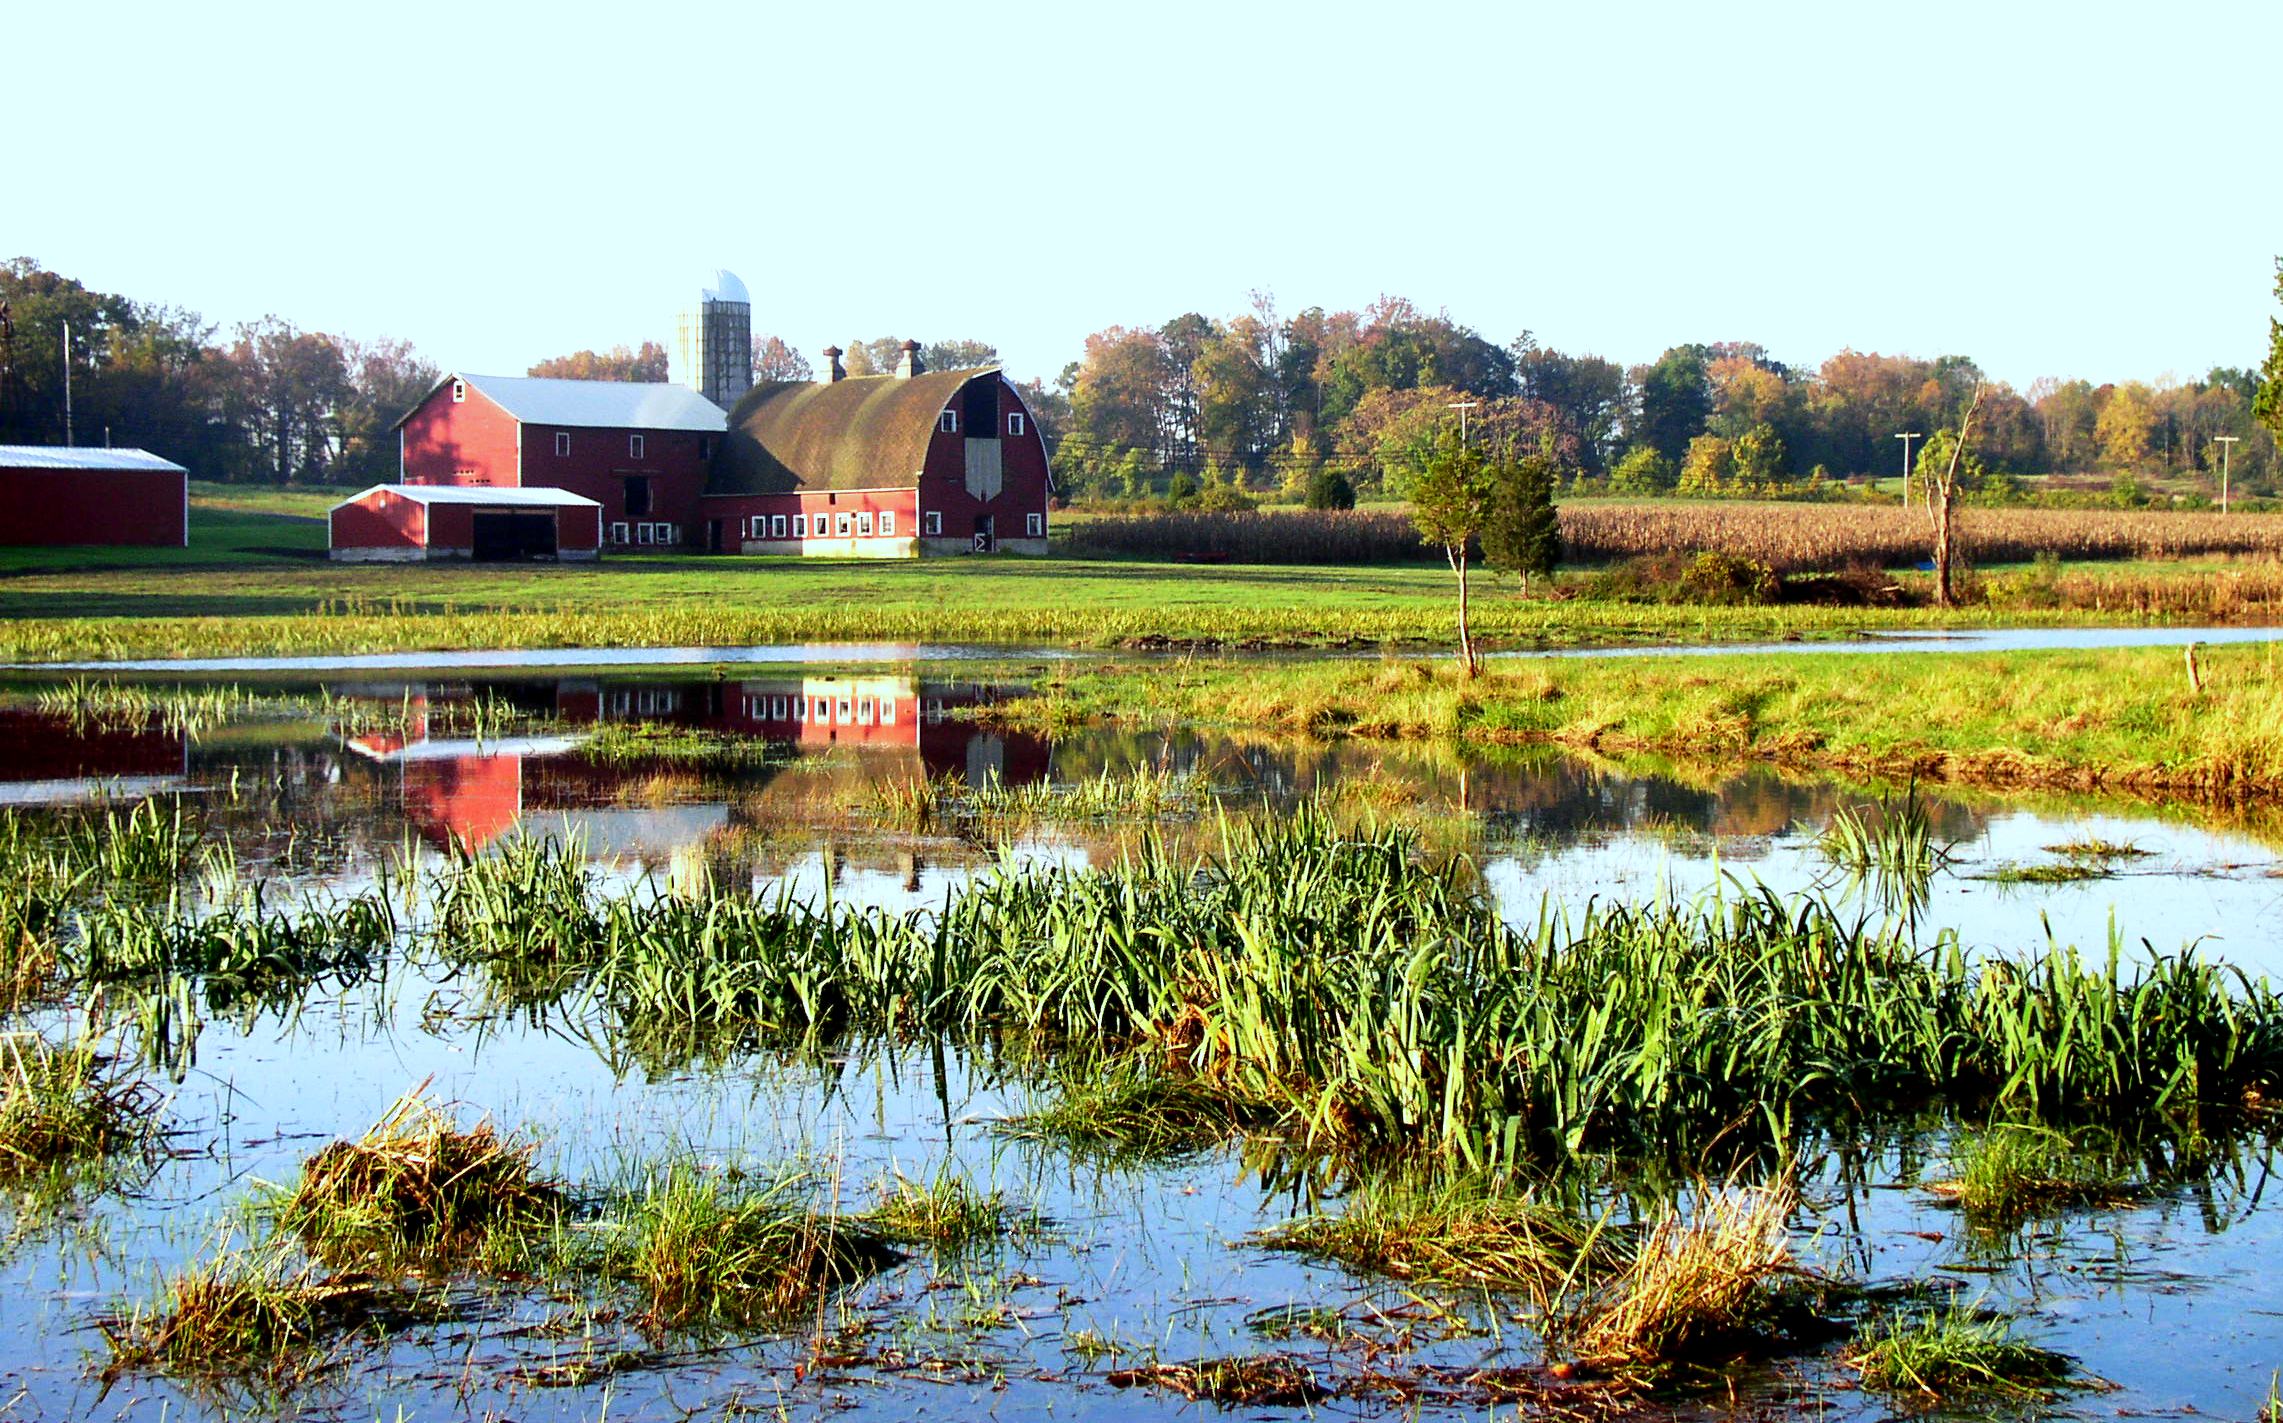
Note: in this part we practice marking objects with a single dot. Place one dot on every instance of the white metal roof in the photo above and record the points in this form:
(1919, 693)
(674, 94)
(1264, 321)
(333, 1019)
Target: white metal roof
(475, 494)
(629, 404)
(81, 457)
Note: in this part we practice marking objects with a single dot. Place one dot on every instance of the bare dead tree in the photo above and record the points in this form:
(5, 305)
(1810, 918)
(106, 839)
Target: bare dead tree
(1942, 503)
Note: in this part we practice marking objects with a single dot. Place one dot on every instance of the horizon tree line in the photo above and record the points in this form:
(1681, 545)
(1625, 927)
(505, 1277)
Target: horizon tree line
(1347, 398)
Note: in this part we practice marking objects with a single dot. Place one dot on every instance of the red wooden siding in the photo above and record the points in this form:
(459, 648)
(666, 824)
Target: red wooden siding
(384, 520)
(472, 442)
(53, 508)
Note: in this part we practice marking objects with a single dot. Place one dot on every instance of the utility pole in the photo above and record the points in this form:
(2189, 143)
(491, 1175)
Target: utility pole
(1462, 407)
(67, 441)
(2226, 443)
(1906, 437)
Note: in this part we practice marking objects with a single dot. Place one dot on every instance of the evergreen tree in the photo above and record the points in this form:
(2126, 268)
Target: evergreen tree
(2267, 403)
(1329, 489)
(1522, 530)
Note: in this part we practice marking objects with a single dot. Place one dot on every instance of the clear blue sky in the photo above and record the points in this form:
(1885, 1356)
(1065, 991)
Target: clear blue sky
(2071, 189)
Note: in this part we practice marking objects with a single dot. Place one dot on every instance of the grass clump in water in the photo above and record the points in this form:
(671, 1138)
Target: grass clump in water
(249, 1312)
(1124, 1114)
(707, 1251)
(947, 1213)
(415, 1183)
(2015, 1170)
(1953, 1353)
(1462, 1233)
(60, 1104)
(1692, 1282)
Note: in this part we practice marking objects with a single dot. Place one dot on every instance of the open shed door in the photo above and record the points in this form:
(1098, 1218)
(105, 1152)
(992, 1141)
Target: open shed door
(503, 536)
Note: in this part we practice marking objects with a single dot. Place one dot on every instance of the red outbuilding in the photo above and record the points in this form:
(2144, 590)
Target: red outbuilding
(406, 523)
(639, 449)
(52, 495)
(882, 466)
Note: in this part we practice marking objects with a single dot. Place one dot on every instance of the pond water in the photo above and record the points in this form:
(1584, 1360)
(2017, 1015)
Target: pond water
(2163, 1297)
(602, 659)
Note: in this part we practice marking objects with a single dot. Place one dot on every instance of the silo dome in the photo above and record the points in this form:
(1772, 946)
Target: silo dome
(725, 287)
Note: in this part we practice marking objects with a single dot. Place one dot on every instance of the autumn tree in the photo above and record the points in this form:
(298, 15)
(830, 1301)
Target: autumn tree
(958, 355)
(646, 362)
(774, 360)
(861, 360)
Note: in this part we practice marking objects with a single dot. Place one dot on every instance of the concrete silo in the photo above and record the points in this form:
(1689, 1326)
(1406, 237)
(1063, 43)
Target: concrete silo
(713, 342)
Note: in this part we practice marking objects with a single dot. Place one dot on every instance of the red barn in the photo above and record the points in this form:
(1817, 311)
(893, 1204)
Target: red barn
(881, 466)
(53, 495)
(407, 523)
(639, 449)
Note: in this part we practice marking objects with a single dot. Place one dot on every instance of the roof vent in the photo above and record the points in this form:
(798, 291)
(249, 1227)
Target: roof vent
(834, 371)
(910, 364)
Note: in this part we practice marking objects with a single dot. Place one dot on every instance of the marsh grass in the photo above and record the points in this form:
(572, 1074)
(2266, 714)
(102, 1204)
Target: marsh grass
(1124, 1112)
(1890, 848)
(254, 1312)
(2067, 872)
(1955, 1353)
(998, 810)
(2011, 1171)
(1464, 1232)
(947, 1213)
(1694, 1280)
(711, 1252)
(63, 1104)
(416, 1185)
(2093, 847)
(1238, 1381)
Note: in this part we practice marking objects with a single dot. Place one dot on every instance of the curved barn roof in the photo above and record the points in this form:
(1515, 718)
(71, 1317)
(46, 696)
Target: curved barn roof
(864, 432)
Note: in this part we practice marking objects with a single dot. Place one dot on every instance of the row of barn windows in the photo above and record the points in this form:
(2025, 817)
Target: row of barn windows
(772, 526)
(645, 533)
(846, 711)
(948, 422)
(633, 446)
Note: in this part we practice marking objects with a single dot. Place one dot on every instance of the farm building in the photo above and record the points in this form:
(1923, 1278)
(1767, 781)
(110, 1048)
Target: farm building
(887, 466)
(408, 523)
(52, 496)
(639, 449)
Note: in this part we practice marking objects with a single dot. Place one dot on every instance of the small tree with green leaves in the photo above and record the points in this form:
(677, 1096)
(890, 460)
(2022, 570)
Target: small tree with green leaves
(1450, 502)
(1642, 471)
(1329, 489)
(1522, 530)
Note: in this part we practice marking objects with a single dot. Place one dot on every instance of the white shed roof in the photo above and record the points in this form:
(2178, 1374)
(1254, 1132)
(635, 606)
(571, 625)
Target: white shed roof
(80, 457)
(489, 496)
(626, 404)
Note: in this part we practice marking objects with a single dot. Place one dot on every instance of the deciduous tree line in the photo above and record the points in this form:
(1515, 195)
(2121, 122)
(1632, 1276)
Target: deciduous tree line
(1267, 398)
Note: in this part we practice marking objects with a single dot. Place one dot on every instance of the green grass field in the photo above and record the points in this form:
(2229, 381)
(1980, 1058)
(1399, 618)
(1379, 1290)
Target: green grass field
(272, 602)
(2123, 719)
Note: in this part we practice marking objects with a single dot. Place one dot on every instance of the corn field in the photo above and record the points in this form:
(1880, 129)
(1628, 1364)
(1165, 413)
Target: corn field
(1788, 537)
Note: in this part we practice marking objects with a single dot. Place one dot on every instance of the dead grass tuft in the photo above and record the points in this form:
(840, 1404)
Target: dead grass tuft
(415, 1183)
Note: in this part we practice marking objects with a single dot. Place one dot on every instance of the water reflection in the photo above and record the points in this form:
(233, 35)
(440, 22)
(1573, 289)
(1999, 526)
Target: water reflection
(783, 779)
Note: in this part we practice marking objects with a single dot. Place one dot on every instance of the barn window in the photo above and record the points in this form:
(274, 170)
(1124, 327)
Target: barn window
(935, 521)
(887, 711)
(840, 525)
(864, 523)
(634, 447)
(800, 526)
(753, 527)
(562, 442)
(459, 391)
(887, 521)
(864, 711)
(645, 533)
(1034, 525)
(1015, 424)
(669, 533)
(777, 526)
(618, 533)
(800, 708)
(948, 422)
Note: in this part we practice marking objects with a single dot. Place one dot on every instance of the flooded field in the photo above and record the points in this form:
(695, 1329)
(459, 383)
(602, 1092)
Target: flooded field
(1096, 1274)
